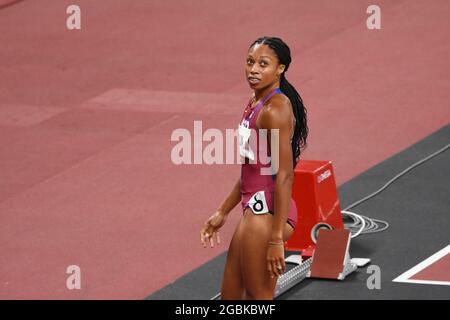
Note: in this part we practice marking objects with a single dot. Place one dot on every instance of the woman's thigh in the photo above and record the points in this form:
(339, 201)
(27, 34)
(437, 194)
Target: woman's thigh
(232, 283)
(256, 232)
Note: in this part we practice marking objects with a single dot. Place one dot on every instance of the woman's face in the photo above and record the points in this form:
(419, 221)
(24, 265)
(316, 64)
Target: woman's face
(262, 67)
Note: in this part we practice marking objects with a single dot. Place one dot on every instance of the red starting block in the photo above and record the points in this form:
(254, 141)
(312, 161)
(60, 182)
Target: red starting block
(315, 194)
(331, 259)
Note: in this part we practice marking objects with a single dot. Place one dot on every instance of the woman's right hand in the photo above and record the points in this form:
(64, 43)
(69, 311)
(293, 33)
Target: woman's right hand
(211, 228)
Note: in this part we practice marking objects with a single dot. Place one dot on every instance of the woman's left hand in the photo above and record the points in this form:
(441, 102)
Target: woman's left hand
(275, 260)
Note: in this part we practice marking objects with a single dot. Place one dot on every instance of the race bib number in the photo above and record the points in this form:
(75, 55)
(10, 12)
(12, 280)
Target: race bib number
(258, 203)
(244, 147)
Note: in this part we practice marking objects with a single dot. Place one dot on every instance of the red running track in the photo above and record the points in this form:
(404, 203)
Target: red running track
(86, 118)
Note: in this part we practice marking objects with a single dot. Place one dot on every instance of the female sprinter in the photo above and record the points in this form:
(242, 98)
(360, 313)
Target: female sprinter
(255, 257)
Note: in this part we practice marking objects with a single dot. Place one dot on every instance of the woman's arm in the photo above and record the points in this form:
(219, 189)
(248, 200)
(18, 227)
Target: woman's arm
(277, 120)
(232, 200)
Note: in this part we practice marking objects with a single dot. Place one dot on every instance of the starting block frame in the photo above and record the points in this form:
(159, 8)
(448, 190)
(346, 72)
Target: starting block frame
(323, 264)
(292, 277)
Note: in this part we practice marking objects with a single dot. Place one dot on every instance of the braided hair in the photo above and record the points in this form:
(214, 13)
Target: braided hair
(283, 53)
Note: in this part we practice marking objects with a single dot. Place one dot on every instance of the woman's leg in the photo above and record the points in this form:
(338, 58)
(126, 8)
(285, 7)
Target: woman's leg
(256, 232)
(232, 283)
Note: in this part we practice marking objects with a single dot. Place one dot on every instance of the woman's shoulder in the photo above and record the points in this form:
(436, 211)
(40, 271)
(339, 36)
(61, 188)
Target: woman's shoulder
(278, 104)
